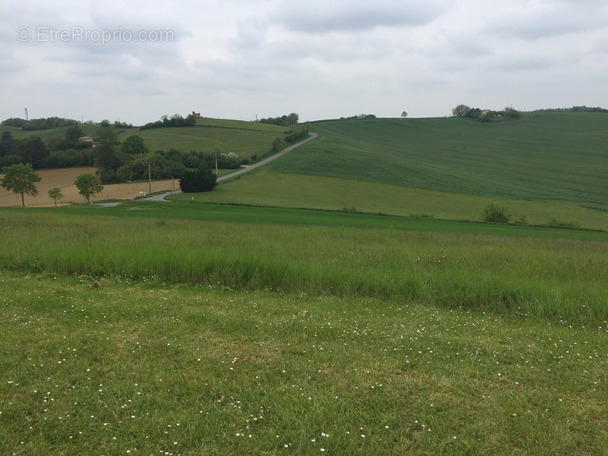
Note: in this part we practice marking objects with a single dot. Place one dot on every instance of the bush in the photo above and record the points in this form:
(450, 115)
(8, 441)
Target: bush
(197, 180)
(496, 213)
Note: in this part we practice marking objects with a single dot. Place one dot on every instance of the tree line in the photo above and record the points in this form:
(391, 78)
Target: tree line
(573, 109)
(49, 123)
(174, 121)
(486, 115)
(286, 120)
(57, 152)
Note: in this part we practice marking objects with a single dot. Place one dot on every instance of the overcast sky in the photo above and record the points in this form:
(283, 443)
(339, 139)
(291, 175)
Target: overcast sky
(135, 61)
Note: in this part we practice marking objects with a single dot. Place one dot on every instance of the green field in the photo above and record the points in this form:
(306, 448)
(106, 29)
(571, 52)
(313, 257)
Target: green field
(557, 156)
(544, 167)
(246, 139)
(150, 330)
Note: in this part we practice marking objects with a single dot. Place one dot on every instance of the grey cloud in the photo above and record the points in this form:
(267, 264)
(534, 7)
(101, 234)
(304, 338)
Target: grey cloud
(335, 16)
(551, 19)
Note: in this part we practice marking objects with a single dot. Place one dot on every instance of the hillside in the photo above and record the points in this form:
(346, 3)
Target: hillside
(246, 139)
(551, 156)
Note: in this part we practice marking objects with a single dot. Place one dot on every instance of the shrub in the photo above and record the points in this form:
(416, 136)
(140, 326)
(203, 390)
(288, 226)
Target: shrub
(496, 213)
(197, 180)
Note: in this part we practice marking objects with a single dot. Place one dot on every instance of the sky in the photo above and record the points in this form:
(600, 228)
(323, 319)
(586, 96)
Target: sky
(135, 61)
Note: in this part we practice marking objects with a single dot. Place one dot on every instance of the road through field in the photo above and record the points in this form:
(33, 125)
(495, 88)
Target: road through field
(244, 170)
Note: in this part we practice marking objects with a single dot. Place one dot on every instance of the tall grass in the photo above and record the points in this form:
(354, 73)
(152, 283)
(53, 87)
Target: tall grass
(561, 280)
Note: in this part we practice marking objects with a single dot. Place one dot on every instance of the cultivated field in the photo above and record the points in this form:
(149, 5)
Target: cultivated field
(64, 179)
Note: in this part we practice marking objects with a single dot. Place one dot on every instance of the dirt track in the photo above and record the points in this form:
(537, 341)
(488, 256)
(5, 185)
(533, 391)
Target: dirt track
(64, 179)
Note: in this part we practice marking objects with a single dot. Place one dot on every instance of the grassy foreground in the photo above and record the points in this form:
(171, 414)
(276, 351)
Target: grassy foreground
(555, 279)
(91, 366)
(146, 335)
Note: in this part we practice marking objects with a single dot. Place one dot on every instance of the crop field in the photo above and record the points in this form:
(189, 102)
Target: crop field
(153, 333)
(64, 179)
(541, 156)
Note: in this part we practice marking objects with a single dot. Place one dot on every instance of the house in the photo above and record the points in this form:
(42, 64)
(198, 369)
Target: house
(85, 139)
(196, 114)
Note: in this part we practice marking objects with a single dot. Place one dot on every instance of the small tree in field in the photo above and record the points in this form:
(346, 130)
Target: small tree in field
(55, 194)
(20, 179)
(88, 185)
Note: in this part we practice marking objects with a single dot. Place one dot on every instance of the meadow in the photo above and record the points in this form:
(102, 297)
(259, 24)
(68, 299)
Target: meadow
(155, 334)
(246, 139)
(287, 190)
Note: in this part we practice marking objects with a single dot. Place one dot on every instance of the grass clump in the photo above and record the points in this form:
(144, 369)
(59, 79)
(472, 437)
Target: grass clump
(496, 213)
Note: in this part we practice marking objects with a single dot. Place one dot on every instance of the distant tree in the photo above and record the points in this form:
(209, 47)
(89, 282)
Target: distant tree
(134, 145)
(105, 123)
(20, 179)
(510, 113)
(55, 194)
(198, 180)
(6, 143)
(88, 185)
(14, 122)
(461, 111)
(292, 119)
(73, 133)
(106, 160)
(404, 114)
(35, 151)
(174, 169)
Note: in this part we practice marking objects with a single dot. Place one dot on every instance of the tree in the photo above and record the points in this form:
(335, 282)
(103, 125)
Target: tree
(134, 145)
(6, 143)
(404, 114)
(55, 194)
(292, 119)
(73, 133)
(20, 179)
(461, 111)
(197, 180)
(35, 151)
(88, 185)
(106, 159)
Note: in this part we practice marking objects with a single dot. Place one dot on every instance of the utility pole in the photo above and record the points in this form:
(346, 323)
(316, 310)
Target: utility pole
(26, 117)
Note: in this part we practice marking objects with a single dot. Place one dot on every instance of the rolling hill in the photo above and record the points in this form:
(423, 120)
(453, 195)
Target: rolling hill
(550, 156)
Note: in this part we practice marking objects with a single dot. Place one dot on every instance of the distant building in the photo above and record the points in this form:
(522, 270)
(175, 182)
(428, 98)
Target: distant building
(85, 139)
(484, 112)
(196, 114)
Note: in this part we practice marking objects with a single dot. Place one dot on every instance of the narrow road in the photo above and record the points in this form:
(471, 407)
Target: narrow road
(241, 171)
